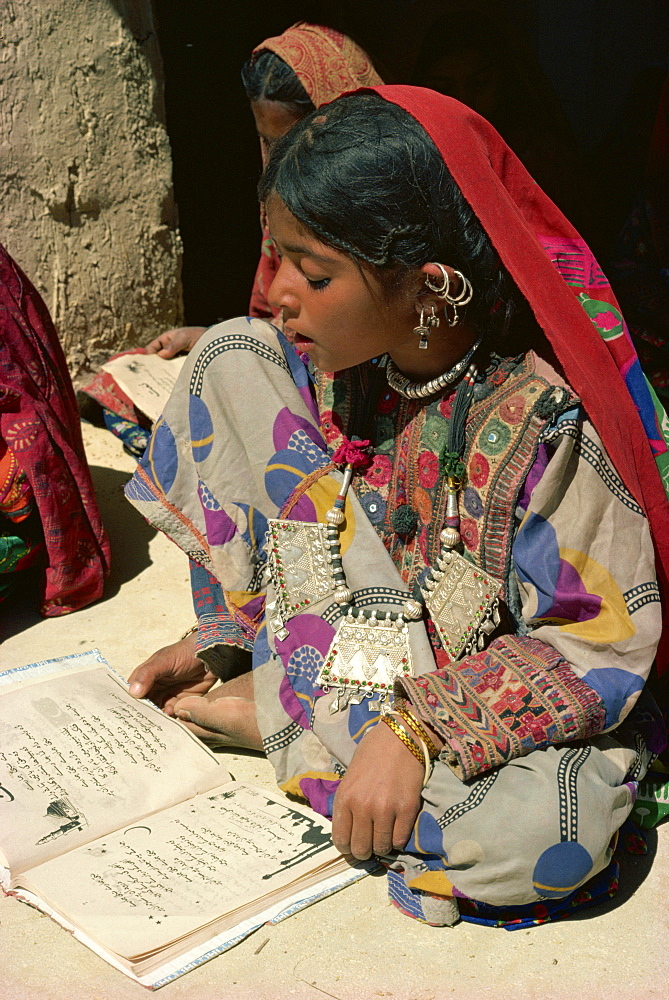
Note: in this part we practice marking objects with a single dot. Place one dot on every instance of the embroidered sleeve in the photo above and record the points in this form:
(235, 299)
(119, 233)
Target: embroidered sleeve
(583, 566)
(228, 622)
(517, 696)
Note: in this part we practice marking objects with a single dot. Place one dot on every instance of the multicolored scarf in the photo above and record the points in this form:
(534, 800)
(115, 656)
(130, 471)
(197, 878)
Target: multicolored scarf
(39, 423)
(570, 297)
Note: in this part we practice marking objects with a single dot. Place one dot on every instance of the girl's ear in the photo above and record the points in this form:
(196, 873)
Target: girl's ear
(426, 298)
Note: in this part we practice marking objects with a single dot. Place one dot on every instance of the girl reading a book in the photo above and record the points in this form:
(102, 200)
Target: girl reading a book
(437, 522)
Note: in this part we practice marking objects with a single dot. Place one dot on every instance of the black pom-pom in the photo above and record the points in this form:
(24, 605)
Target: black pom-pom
(404, 520)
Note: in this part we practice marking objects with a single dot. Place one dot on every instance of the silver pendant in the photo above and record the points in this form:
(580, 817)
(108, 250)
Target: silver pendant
(299, 562)
(463, 603)
(366, 656)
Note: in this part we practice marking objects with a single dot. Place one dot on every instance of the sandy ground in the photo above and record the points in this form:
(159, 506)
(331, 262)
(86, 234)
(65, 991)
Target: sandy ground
(354, 945)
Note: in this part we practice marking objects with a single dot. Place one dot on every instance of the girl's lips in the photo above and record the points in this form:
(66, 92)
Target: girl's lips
(301, 341)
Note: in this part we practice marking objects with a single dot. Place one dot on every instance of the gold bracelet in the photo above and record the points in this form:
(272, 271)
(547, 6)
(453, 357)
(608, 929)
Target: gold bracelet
(420, 753)
(190, 631)
(413, 723)
(403, 736)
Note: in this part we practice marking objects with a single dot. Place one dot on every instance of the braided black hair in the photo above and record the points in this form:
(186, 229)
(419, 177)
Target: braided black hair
(266, 77)
(364, 176)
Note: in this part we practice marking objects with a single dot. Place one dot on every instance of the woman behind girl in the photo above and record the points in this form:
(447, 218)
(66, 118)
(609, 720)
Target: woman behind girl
(285, 78)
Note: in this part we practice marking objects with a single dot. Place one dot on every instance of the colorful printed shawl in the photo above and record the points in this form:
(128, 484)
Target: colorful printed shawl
(327, 64)
(40, 425)
(570, 296)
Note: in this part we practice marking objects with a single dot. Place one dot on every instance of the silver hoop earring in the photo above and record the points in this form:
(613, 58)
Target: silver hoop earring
(443, 288)
(423, 329)
(467, 293)
(433, 319)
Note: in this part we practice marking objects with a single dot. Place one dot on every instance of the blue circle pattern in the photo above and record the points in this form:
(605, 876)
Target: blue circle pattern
(473, 503)
(302, 670)
(161, 459)
(427, 839)
(374, 507)
(561, 869)
(201, 428)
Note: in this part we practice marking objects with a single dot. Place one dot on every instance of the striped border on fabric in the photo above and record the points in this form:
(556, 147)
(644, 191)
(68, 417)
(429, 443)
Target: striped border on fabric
(282, 739)
(474, 799)
(369, 597)
(638, 597)
(232, 342)
(498, 520)
(592, 454)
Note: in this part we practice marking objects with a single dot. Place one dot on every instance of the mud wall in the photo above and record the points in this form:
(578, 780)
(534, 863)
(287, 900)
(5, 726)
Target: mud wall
(88, 207)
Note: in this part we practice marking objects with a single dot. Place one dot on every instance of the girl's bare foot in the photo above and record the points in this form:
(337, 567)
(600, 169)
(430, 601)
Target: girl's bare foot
(225, 716)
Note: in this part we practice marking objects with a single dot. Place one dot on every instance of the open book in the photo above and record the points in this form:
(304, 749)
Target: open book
(117, 822)
(146, 378)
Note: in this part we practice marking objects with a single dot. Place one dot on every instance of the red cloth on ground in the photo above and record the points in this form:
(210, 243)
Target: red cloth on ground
(40, 424)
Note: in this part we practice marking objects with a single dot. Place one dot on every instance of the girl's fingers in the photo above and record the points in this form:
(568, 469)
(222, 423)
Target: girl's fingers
(362, 837)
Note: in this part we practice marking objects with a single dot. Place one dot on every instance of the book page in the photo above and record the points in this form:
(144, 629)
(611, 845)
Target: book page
(80, 758)
(147, 379)
(156, 882)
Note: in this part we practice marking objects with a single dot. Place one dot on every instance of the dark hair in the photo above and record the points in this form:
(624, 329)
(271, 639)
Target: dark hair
(266, 77)
(364, 176)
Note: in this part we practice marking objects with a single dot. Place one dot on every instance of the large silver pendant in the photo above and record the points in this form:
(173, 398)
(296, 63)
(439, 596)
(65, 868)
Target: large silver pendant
(299, 562)
(366, 656)
(463, 603)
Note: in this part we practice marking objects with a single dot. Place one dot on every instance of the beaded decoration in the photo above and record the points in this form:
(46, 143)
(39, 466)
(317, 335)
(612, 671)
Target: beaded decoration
(370, 648)
(300, 565)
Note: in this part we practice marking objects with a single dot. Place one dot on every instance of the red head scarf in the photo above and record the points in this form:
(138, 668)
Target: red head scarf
(569, 295)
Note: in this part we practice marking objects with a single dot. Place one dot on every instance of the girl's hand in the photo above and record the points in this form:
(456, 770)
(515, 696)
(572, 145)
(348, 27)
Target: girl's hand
(172, 342)
(379, 797)
(171, 673)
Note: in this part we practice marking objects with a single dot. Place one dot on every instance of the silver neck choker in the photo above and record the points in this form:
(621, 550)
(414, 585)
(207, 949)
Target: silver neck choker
(420, 390)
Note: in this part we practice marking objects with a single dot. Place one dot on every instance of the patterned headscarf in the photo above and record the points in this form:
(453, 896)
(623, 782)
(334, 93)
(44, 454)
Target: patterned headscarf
(326, 63)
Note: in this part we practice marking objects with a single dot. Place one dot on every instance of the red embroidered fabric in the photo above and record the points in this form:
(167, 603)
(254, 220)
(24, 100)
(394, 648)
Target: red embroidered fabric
(39, 423)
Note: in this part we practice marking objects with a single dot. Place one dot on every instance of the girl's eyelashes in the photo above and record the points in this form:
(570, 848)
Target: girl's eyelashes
(318, 285)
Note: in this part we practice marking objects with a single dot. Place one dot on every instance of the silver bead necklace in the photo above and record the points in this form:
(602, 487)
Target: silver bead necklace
(421, 390)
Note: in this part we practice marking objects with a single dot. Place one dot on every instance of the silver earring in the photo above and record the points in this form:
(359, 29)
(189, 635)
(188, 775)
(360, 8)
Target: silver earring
(443, 290)
(465, 296)
(423, 329)
(433, 320)
(439, 288)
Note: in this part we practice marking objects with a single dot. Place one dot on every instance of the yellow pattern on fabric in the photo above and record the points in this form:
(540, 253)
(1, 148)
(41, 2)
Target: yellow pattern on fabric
(613, 623)
(435, 882)
(323, 494)
(292, 786)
